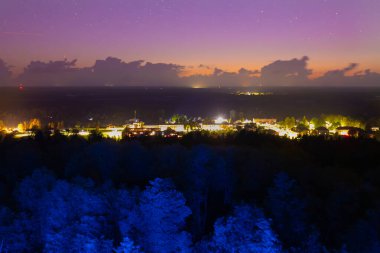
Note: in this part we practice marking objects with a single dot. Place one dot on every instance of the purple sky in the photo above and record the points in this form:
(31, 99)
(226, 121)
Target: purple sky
(224, 33)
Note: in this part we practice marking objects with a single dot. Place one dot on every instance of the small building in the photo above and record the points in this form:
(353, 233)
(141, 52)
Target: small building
(216, 127)
(265, 121)
(301, 130)
(170, 133)
(176, 127)
(250, 127)
(348, 131)
(269, 132)
(138, 132)
(112, 132)
(322, 131)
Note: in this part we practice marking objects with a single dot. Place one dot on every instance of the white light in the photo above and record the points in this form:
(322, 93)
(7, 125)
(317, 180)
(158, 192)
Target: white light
(220, 120)
(84, 133)
(115, 134)
(211, 127)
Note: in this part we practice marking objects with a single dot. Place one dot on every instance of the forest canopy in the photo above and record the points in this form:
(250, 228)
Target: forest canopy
(257, 193)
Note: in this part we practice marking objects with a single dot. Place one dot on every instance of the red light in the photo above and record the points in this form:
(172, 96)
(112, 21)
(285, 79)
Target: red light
(21, 87)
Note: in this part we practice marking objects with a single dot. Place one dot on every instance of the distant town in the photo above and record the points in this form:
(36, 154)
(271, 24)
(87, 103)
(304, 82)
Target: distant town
(179, 125)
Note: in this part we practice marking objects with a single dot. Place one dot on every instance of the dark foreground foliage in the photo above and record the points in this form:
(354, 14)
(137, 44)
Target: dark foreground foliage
(238, 193)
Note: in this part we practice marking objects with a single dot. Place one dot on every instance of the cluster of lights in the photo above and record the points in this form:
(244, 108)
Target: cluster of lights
(254, 93)
(281, 132)
(220, 123)
(220, 120)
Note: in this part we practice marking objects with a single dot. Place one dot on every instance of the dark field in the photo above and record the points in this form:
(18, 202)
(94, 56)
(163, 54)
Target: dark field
(116, 105)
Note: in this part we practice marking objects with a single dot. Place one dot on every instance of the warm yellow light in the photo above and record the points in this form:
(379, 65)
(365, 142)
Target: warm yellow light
(211, 127)
(197, 86)
(20, 128)
(22, 135)
(114, 134)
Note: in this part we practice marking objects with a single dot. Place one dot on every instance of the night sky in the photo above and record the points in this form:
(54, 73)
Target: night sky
(225, 33)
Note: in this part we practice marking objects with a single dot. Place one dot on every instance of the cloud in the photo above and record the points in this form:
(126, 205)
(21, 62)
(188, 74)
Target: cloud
(350, 67)
(286, 73)
(339, 77)
(50, 67)
(115, 72)
(202, 66)
(221, 78)
(111, 71)
(52, 73)
(5, 73)
(247, 72)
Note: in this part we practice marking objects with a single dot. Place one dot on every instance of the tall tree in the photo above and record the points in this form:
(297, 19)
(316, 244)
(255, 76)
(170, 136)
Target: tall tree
(196, 179)
(160, 218)
(246, 230)
(287, 210)
(73, 219)
(127, 246)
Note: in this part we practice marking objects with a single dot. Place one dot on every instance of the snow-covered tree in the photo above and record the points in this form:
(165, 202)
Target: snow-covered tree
(160, 218)
(247, 230)
(127, 246)
(287, 210)
(73, 220)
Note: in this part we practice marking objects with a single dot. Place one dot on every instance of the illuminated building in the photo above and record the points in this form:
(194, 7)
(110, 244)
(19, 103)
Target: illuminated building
(265, 121)
(84, 133)
(216, 127)
(321, 131)
(220, 120)
(349, 131)
(113, 132)
(176, 127)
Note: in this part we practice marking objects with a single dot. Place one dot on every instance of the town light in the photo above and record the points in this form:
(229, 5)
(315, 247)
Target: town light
(84, 133)
(220, 120)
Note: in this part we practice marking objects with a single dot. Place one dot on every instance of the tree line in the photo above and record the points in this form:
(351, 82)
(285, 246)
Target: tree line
(253, 193)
